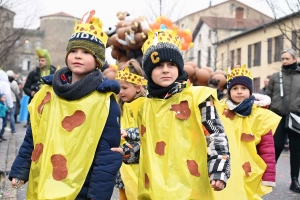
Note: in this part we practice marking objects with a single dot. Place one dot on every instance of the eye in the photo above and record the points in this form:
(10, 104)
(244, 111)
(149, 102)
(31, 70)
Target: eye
(86, 52)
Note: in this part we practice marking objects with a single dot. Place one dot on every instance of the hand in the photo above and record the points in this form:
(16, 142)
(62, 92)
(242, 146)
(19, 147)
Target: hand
(32, 93)
(16, 183)
(123, 133)
(218, 185)
(117, 149)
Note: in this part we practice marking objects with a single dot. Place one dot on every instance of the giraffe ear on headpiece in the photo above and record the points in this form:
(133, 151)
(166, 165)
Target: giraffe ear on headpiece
(244, 66)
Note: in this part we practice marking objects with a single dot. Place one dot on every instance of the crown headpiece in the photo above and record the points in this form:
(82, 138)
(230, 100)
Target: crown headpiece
(92, 26)
(169, 36)
(43, 53)
(126, 75)
(238, 71)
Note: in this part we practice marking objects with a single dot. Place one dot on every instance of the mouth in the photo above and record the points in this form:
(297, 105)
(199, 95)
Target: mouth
(77, 63)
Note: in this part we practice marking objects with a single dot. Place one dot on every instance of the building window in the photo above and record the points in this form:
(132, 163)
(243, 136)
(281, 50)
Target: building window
(269, 50)
(182, 25)
(257, 54)
(249, 55)
(199, 39)
(199, 58)
(26, 64)
(232, 58)
(17, 43)
(239, 56)
(222, 61)
(27, 44)
(256, 85)
(209, 34)
(208, 57)
(278, 47)
(38, 44)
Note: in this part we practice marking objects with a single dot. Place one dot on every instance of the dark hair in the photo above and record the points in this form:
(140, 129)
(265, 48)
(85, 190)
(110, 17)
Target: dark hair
(213, 82)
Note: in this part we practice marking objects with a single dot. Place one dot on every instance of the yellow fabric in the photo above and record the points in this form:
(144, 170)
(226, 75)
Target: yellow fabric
(169, 176)
(74, 145)
(129, 173)
(235, 185)
(259, 123)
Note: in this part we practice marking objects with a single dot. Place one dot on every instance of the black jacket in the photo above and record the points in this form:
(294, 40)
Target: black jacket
(33, 80)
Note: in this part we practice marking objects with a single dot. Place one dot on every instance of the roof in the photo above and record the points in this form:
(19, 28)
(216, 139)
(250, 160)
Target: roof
(59, 14)
(211, 7)
(226, 23)
(296, 14)
(3, 7)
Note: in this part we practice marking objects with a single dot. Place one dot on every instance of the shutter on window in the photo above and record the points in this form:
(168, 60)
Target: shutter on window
(269, 50)
(258, 53)
(249, 55)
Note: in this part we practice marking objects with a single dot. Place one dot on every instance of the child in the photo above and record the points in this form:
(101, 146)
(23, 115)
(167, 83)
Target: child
(131, 96)
(66, 151)
(254, 127)
(184, 150)
(3, 114)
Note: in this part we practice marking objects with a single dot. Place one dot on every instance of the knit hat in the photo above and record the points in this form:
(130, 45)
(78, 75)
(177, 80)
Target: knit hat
(10, 73)
(89, 36)
(162, 46)
(44, 53)
(239, 76)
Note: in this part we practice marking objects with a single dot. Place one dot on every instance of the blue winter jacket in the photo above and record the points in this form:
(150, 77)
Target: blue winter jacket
(100, 180)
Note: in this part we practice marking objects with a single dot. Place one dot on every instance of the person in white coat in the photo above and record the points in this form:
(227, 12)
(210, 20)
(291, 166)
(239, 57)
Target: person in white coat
(5, 89)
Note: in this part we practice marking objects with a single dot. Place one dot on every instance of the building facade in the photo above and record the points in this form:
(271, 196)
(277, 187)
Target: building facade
(260, 48)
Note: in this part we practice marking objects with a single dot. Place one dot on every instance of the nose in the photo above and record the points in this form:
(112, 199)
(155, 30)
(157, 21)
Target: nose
(165, 68)
(78, 54)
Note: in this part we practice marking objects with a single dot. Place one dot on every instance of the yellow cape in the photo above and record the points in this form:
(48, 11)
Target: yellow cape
(129, 173)
(259, 123)
(65, 136)
(173, 159)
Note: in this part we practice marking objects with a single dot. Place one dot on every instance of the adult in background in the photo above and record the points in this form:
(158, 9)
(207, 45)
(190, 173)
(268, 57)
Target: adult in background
(15, 94)
(291, 88)
(266, 82)
(214, 83)
(33, 81)
(5, 89)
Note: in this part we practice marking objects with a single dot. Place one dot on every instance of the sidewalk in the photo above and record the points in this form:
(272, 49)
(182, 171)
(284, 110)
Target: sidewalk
(8, 150)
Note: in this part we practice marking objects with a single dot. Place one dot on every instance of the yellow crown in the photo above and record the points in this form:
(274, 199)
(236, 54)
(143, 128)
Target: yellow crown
(154, 38)
(92, 26)
(238, 71)
(126, 75)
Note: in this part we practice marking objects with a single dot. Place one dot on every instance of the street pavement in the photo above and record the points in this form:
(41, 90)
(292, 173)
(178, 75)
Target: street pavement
(9, 149)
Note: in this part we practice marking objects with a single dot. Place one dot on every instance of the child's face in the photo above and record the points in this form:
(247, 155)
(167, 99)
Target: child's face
(238, 93)
(165, 74)
(128, 91)
(81, 62)
(3, 98)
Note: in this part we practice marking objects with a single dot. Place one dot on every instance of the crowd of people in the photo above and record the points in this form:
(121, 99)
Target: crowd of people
(149, 132)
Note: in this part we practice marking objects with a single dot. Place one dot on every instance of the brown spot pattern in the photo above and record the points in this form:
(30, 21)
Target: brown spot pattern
(143, 130)
(46, 99)
(73, 121)
(36, 153)
(247, 137)
(160, 148)
(60, 170)
(229, 114)
(147, 182)
(193, 167)
(247, 168)
(182, 110)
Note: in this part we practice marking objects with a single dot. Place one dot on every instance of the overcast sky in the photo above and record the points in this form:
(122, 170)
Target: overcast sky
(29, 11)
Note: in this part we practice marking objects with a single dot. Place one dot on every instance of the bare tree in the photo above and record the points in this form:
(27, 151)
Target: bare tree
(287, 16)
(9, 35)
(173, 9)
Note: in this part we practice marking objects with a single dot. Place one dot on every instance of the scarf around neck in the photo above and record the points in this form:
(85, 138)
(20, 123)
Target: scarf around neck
(158, 91)
(79, 89)
(291, 66)
(244, 108)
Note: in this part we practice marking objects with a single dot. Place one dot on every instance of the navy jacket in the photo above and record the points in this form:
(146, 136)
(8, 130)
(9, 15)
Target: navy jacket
(100, 180)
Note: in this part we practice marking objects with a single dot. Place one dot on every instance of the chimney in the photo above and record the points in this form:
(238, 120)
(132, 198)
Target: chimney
(239, 18)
